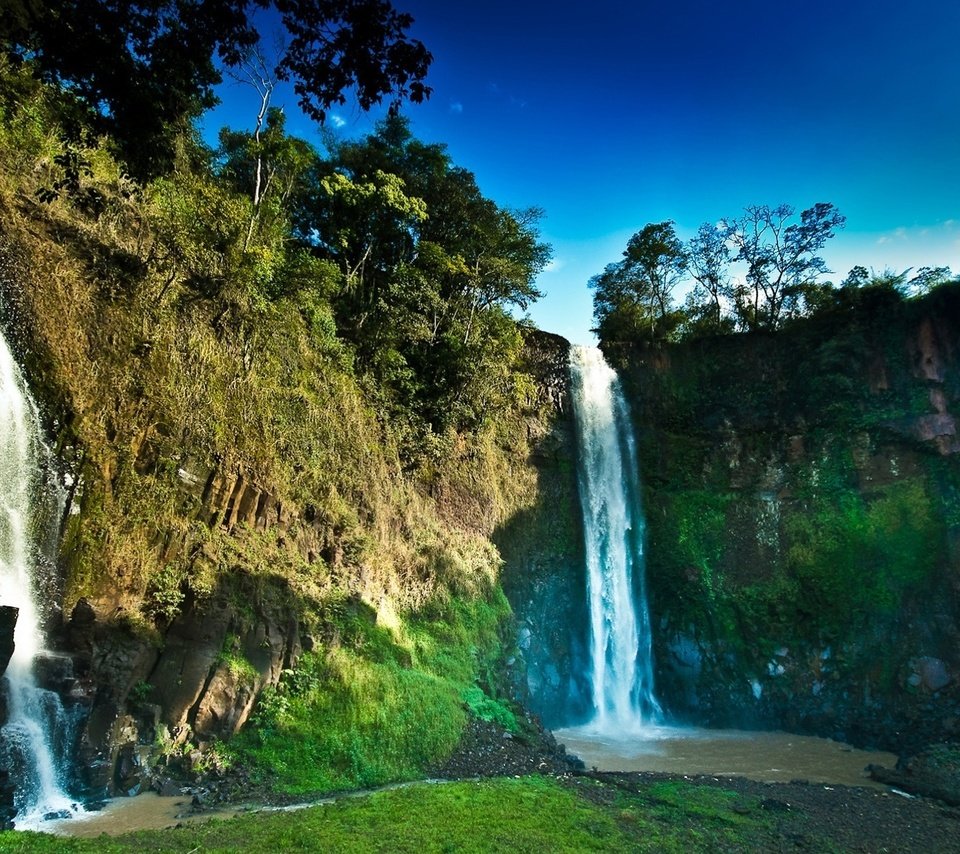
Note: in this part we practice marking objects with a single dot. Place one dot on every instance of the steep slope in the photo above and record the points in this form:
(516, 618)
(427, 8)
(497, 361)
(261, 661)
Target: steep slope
(241, 526)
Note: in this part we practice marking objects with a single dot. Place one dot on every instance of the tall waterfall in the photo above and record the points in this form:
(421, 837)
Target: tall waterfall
(32, 740)
(620, 642)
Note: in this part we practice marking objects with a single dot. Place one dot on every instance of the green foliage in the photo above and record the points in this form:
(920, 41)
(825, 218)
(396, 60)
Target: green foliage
(429, 267)
(381, 703)
(144, 70)
(165, 594)
(140, 692)
(237, 665)
(632, 299)
(482, 707)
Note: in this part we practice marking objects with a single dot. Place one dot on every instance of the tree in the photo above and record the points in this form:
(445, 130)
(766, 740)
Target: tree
(928, 278)
(708, 262)
(780, 257)
(269, 167)
(431, 269)
(146, 68)
(634, 296)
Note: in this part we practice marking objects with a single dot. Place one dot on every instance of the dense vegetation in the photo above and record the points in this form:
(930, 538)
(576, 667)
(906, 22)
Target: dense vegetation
(142, 70)
(759, 271)
(333, 329)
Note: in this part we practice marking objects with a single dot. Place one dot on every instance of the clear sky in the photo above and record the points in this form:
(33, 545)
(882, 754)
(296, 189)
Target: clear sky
(610, 115)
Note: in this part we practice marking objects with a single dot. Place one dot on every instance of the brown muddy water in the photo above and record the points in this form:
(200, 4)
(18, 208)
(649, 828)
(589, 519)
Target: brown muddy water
(767, 757)
(148, 811)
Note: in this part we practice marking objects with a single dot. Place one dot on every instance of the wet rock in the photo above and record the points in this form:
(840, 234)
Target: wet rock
(933, 673)
(7, 810)
(932, 773)
(54, 672)
(8, 622)
(81, 628)
(129, 769)
(169, 789)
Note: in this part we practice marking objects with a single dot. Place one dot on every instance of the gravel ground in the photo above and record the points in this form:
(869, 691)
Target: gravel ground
(814, 817)
(807, 817)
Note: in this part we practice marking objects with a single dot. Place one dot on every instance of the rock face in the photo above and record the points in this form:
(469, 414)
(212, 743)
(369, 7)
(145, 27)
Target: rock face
(8, 622)
(198, 683)
(802, 494)
(542, 548)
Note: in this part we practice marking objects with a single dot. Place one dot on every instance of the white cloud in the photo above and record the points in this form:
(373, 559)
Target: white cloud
(456, 107)
(898, 234)
(337, 121)
(554, 265)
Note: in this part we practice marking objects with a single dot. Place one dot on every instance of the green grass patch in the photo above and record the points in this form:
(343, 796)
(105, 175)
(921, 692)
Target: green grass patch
(529, 814)
(381, 704)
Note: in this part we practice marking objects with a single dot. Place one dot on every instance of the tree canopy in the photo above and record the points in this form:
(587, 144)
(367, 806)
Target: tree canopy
(775, 258)
(429, 269)
(634, 296)
(146, 68)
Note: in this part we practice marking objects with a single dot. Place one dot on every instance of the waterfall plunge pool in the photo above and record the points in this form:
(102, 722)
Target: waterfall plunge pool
(767, 757)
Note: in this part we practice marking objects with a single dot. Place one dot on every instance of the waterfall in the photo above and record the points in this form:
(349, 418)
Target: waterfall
(33, 740)
(620, 641)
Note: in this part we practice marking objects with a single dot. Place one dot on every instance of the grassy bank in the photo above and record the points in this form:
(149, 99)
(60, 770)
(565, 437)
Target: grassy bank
(529, 814)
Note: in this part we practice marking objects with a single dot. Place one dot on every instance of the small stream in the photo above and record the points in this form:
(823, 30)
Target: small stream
(767, 757)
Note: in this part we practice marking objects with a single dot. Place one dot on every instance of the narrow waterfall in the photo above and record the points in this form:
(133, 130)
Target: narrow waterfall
(32, 742)
(620, 641)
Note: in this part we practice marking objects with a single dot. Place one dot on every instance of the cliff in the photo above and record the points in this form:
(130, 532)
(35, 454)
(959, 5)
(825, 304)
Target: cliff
(543, 553)
(246, 532)
(801, 495)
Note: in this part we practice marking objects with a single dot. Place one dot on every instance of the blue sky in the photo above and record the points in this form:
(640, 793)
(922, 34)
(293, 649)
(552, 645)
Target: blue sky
(610, 115)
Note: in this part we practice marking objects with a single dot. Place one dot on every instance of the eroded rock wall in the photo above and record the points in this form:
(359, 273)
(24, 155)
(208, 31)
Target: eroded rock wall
(542, 548)
(158, 689)
(802, 494)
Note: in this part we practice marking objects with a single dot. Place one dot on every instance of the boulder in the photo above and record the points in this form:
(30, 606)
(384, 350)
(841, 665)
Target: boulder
(932, 773)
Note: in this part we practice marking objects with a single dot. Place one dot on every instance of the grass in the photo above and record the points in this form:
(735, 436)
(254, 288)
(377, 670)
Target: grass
(527, 814)
(382, 704)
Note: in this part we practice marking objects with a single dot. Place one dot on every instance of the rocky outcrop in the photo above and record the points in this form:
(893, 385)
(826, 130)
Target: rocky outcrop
(542, 548)
(8, 622)
(195, 683)
(803, 536)
(933, 773)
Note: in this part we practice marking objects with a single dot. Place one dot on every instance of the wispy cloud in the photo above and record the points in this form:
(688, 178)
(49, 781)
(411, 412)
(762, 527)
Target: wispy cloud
(495, 90)
(337, 121)
(456, 107)
(897, 234)
(554, 265)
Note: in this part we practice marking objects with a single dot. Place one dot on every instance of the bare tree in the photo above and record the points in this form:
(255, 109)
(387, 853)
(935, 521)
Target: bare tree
(708, 256)
(781, 258)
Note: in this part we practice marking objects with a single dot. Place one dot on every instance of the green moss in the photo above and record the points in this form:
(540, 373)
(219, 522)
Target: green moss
(383, 702)
(855, 559)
